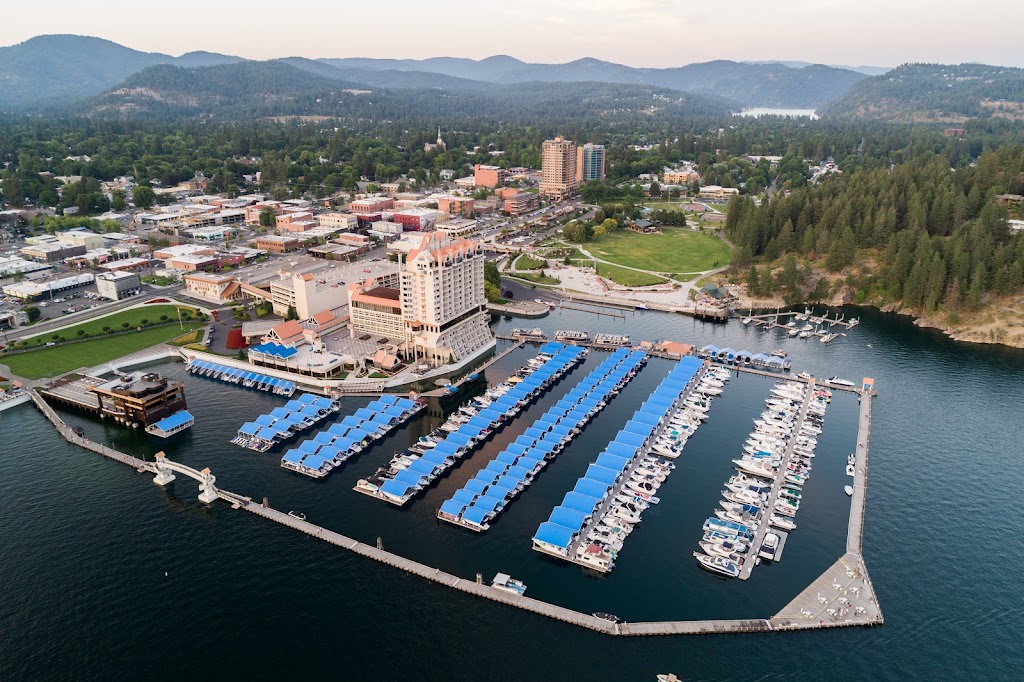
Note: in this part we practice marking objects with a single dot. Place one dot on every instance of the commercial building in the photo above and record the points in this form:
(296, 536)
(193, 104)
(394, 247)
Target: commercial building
(488, 176)
(52, 253)
(193, 262)
(520, 203)
(117, 285)
(455, 205)
(274, 243)
(417, 219)
(212, 287)
(716, 192)
(30, 291)
(137, 399)
(459, 228)
(305, 295)
(558, 169)
(371, 204)
(679, 176)
(436, 312)
(170, 252)
(590, 163)
(81, 237)
(338, 221)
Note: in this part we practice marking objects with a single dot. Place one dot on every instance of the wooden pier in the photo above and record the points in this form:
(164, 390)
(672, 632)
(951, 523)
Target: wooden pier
(572, 306)
(845, 587)
(465, 379)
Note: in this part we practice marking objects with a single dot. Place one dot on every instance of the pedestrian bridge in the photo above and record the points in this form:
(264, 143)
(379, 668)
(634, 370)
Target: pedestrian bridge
(165, 470)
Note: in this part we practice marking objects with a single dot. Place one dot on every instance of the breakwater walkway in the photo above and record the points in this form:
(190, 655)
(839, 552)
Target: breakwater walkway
(845, 586)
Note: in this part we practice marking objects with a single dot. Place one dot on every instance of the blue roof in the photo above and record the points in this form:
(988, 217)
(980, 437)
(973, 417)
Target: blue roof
(453, 507)
(476, 514)
(421, 467)
(602, 474)
(580, 502)
(590, 487)
(174, 421)
(396, 488)
(612, 461)
(569, 518)
(475, 485)
(410, 477)
(464, 495)
(554, 534)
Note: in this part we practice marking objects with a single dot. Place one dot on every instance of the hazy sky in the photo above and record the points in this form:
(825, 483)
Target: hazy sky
(634, 32)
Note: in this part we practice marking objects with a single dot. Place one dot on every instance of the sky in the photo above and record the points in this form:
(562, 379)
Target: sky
(651, 33)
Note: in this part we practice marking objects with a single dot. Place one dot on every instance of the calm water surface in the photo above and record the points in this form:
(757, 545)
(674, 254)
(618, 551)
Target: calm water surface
(105, 575)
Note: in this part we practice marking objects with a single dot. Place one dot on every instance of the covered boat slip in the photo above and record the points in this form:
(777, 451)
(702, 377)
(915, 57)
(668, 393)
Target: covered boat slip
(743, 358)
(563, 532)
(234, 375)
(515, 467)
(328, 449)
(284, 422)
(168, 426)
(560, 360)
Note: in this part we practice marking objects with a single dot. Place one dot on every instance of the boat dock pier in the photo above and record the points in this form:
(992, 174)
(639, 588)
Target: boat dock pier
(601, 310)
(842, 596)
(772, 320)
(769, 507)
(440, 392)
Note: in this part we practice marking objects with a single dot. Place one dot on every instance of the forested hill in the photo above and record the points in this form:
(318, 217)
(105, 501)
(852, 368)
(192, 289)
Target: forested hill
(66, 68)
(919, 235)
(250, 90)
(935, 93)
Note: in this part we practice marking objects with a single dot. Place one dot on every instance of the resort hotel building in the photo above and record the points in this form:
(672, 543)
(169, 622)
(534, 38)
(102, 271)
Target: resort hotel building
(437, 313)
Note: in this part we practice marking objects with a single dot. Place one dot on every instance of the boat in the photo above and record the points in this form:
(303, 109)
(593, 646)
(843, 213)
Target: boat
(719, 564)
(606, 616)
(297, 514)
(851, 458)
(506, 583)
(726, 548)
(642, 306)
(782, 522)
(836, 381)
(534, 334)
(848, 489)
(769, 546)
(571, 335)
(779, 353)
(851, 470)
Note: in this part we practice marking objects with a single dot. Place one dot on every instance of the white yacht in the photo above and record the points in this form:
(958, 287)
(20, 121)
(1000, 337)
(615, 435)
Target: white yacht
(719, 564)
(769, 546)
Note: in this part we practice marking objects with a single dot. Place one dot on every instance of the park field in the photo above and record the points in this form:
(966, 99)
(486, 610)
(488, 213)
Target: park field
(674, 250)
(56, 360)
(116, 322)
(627, 277)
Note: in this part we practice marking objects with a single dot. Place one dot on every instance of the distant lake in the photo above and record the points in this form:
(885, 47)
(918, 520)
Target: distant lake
(758, 112)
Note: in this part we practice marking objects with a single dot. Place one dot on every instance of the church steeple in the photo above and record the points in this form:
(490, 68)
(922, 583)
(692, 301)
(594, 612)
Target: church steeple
(440, 142)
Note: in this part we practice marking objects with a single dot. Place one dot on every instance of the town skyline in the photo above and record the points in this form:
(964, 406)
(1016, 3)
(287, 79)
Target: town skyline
(873, 33)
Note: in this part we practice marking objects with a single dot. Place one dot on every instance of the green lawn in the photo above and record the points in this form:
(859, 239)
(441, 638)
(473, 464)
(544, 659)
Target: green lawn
(536, 278)
(48, 362)
(627, 278)
(94, 327)
(676, 249)
(525, 262)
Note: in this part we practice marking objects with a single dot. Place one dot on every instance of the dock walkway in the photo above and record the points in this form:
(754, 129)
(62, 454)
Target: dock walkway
(780, 476)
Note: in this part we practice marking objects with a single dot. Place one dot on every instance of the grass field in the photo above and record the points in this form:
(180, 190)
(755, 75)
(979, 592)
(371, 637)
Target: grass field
(46, 362)
(525, 262)
(627, 278)
(116, 322)
(185, 339)
(674, 250)
(536, 278)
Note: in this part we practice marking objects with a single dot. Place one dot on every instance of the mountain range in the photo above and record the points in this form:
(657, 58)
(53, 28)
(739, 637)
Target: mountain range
(67, 68)
(80, 74)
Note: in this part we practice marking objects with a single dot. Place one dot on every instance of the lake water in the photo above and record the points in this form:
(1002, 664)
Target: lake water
(105, 575)
(758, 112)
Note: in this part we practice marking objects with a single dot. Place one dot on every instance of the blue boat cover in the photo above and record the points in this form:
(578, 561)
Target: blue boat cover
(554, 534)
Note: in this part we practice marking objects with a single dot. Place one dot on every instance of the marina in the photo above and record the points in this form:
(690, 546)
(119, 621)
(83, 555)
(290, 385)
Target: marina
(594, 518)
(509, 474)
(282, 423)
(234, 375)
(327, 450)
(409, 473)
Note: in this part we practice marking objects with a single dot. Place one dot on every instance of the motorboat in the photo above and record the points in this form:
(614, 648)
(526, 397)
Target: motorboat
(848, 489)
(769, 546)
(297, 515)
(756, 469)
(779, 353)
(726, 549)
(851, 470)
(719, 564)
(642, 487)
(782, 522)
(507, 583)
(851, 458)
(836, 381)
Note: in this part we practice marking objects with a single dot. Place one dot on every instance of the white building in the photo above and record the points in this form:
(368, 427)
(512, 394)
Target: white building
(438, 311)
(305, 294)
(339, 221)
(117, 285)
